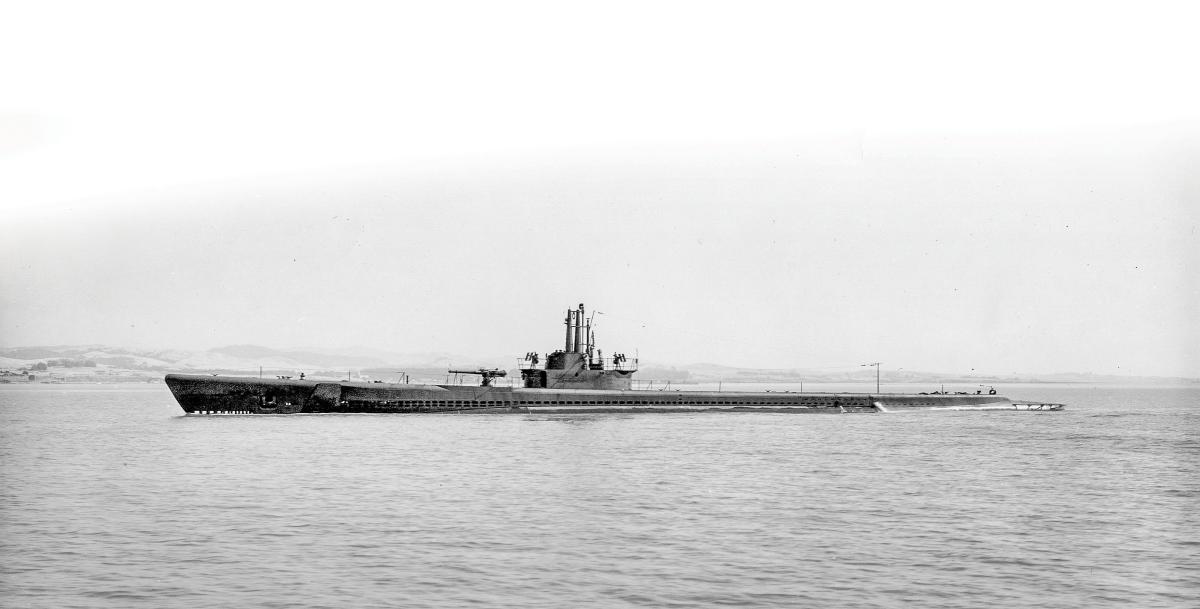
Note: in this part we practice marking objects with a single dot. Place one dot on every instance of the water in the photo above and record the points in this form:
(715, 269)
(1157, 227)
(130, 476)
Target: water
(110, 499)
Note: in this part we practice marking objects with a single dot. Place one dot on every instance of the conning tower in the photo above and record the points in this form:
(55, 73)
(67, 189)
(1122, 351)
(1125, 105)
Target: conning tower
(578, 365)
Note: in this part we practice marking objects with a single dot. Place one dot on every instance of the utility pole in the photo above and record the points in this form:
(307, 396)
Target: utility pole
(876, 364)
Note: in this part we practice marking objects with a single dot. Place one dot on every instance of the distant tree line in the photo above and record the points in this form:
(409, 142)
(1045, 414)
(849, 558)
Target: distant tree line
(63, 363)
(72, 363)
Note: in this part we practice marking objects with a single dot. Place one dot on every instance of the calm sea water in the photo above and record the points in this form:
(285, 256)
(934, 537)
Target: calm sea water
(111, 499)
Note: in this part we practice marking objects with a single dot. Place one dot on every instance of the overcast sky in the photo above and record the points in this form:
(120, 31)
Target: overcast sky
(935, 188)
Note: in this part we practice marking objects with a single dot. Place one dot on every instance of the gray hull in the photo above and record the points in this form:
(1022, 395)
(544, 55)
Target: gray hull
(199, 394)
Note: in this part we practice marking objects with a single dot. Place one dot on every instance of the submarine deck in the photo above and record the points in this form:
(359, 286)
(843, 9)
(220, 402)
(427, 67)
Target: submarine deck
(217, 394)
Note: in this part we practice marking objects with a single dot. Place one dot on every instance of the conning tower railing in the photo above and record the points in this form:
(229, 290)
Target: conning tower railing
(617, 362)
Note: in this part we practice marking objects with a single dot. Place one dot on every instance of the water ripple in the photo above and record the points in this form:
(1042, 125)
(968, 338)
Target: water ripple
(109, 499)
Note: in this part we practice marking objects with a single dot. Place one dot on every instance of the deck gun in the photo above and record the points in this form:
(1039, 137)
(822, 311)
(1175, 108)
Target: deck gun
(487, 373)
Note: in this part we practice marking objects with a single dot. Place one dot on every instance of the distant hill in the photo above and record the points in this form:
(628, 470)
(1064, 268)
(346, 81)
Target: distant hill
(101, 363)
(711, 373)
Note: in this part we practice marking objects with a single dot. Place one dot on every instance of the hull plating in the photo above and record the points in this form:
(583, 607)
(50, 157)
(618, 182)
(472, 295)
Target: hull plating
(199, 394)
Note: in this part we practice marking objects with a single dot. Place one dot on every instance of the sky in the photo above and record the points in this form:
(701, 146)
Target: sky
(1004, 189)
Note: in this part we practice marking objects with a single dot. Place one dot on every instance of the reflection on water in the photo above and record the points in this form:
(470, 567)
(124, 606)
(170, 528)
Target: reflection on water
(110, 499)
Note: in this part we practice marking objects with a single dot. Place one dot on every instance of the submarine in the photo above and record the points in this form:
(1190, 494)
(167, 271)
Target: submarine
(574, 379)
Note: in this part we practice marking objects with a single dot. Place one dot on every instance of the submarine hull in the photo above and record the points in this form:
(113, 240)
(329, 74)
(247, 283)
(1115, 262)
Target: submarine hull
(199, 394)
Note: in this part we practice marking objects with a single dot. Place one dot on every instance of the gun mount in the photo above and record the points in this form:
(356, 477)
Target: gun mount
(487, 373)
